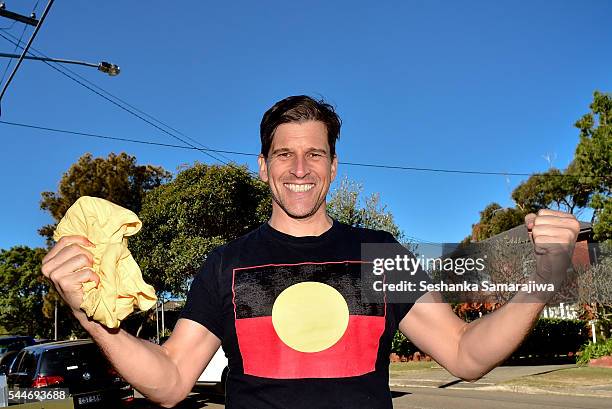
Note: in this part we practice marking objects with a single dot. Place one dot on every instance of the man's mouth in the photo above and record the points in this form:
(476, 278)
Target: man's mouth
(299, 188)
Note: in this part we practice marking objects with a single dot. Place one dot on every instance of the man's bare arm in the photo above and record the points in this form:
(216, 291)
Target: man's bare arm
(468, 350)
(164, 374)
(471, 350)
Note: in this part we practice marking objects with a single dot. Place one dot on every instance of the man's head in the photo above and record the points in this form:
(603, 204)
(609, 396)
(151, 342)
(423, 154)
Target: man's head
(298, 157)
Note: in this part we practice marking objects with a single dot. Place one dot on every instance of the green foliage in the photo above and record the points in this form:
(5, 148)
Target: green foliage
(593, 156)
(594, 350)
(23, 287)
(602, 217)
(117, 178)
(402, 345)
(202, 208)
(553, 337)
(494, 220)
(347, 206)
(552, 188)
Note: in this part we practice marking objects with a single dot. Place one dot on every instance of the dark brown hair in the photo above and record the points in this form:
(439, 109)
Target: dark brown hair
(299, 108)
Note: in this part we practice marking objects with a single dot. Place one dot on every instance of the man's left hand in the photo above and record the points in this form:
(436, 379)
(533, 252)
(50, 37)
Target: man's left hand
(554, 236)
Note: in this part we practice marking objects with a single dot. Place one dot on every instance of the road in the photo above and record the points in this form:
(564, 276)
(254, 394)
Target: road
(435, 398)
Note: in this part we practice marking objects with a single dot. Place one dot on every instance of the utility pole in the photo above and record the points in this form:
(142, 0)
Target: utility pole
(157, 321)
(55, 314)
(18, 17)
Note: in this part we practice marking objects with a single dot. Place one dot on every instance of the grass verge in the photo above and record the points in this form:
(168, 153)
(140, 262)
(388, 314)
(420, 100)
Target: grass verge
(400, 367)
(565, 378)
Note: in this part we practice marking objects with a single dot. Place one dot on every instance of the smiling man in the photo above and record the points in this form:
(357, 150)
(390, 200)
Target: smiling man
(285, 299)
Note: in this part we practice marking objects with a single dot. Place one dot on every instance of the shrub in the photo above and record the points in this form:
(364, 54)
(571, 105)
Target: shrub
(594, 350)
(402, 346)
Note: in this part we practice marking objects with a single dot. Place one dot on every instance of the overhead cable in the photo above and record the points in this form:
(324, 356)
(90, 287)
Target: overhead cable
(232, 152)
(83, 80)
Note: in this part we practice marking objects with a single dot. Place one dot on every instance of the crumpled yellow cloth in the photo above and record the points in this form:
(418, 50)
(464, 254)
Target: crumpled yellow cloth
(121, 287)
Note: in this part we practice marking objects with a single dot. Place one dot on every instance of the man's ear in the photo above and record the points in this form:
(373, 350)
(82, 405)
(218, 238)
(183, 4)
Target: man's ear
(334, 167)
(263, 168)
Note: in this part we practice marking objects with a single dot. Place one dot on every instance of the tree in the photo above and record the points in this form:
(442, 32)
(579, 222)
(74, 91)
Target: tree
(602, 217)
(587, 181)
(593, 156)
(348, 207)
(494, 220)
(593, 159)
(203, 207)
(23, 288)
(553, 188)
(117, 178)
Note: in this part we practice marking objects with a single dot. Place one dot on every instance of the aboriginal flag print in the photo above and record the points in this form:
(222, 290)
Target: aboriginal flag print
(306, 320)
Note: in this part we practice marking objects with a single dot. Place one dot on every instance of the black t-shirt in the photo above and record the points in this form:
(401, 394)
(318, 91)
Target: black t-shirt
(293, 325)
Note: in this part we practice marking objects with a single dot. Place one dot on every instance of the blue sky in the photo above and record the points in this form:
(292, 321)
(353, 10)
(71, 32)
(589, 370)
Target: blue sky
(476, 85)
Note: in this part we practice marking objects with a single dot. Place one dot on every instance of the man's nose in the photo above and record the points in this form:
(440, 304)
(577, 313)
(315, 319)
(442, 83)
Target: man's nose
(299, 167)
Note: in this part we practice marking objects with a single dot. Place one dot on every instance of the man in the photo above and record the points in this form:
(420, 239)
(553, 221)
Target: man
(284, 299)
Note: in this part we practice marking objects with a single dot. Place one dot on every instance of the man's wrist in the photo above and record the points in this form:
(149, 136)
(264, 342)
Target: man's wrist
(534, 297)
(92, 327)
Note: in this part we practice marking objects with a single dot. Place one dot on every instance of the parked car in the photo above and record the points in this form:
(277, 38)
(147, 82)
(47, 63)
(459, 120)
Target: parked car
(76, 365)
(10, 345)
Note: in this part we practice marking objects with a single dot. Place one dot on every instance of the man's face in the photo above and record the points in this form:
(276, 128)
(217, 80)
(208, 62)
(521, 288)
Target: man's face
(299, 168)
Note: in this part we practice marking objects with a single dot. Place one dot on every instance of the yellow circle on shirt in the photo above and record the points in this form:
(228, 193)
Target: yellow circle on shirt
(310, 316)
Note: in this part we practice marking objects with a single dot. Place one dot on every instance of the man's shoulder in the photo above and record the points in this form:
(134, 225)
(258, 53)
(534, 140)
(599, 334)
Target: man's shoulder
(237, 244)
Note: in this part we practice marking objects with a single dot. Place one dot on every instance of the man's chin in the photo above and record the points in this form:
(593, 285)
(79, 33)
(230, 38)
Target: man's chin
(299, 214)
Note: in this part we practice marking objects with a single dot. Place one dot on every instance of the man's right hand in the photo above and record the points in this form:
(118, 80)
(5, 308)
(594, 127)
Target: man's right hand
(68, 265)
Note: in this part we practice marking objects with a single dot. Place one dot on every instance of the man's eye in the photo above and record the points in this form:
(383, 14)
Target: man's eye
(284, 155)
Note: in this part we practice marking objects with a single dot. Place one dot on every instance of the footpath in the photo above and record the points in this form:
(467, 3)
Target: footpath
(540, 379)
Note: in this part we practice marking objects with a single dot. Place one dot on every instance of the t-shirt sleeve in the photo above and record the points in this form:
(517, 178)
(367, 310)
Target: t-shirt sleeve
(203, 303)
(400, 303)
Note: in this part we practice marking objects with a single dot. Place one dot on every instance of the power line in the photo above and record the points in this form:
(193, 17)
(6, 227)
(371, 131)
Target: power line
(115, 138)
(9, 27)
(59, 69)
(8, 64)
(231, 152)
(56, 67)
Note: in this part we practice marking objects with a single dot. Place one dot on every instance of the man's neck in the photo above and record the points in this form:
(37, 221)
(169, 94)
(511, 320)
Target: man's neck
(314, 225)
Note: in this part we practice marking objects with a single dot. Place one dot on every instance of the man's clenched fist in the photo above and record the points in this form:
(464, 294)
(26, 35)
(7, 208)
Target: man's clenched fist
(554, 236)
(68, 266)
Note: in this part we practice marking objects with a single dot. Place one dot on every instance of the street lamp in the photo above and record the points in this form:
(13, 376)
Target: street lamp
(105, 67)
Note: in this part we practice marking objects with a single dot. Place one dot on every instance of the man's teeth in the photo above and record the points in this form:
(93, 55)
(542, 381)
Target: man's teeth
(299, 188)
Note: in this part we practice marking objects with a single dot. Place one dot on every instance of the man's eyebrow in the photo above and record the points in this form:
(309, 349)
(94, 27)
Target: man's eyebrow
(280, 150)
(318, 150)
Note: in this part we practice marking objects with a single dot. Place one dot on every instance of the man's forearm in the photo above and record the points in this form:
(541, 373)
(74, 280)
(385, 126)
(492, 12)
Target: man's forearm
(490, 340)
(146, 366)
